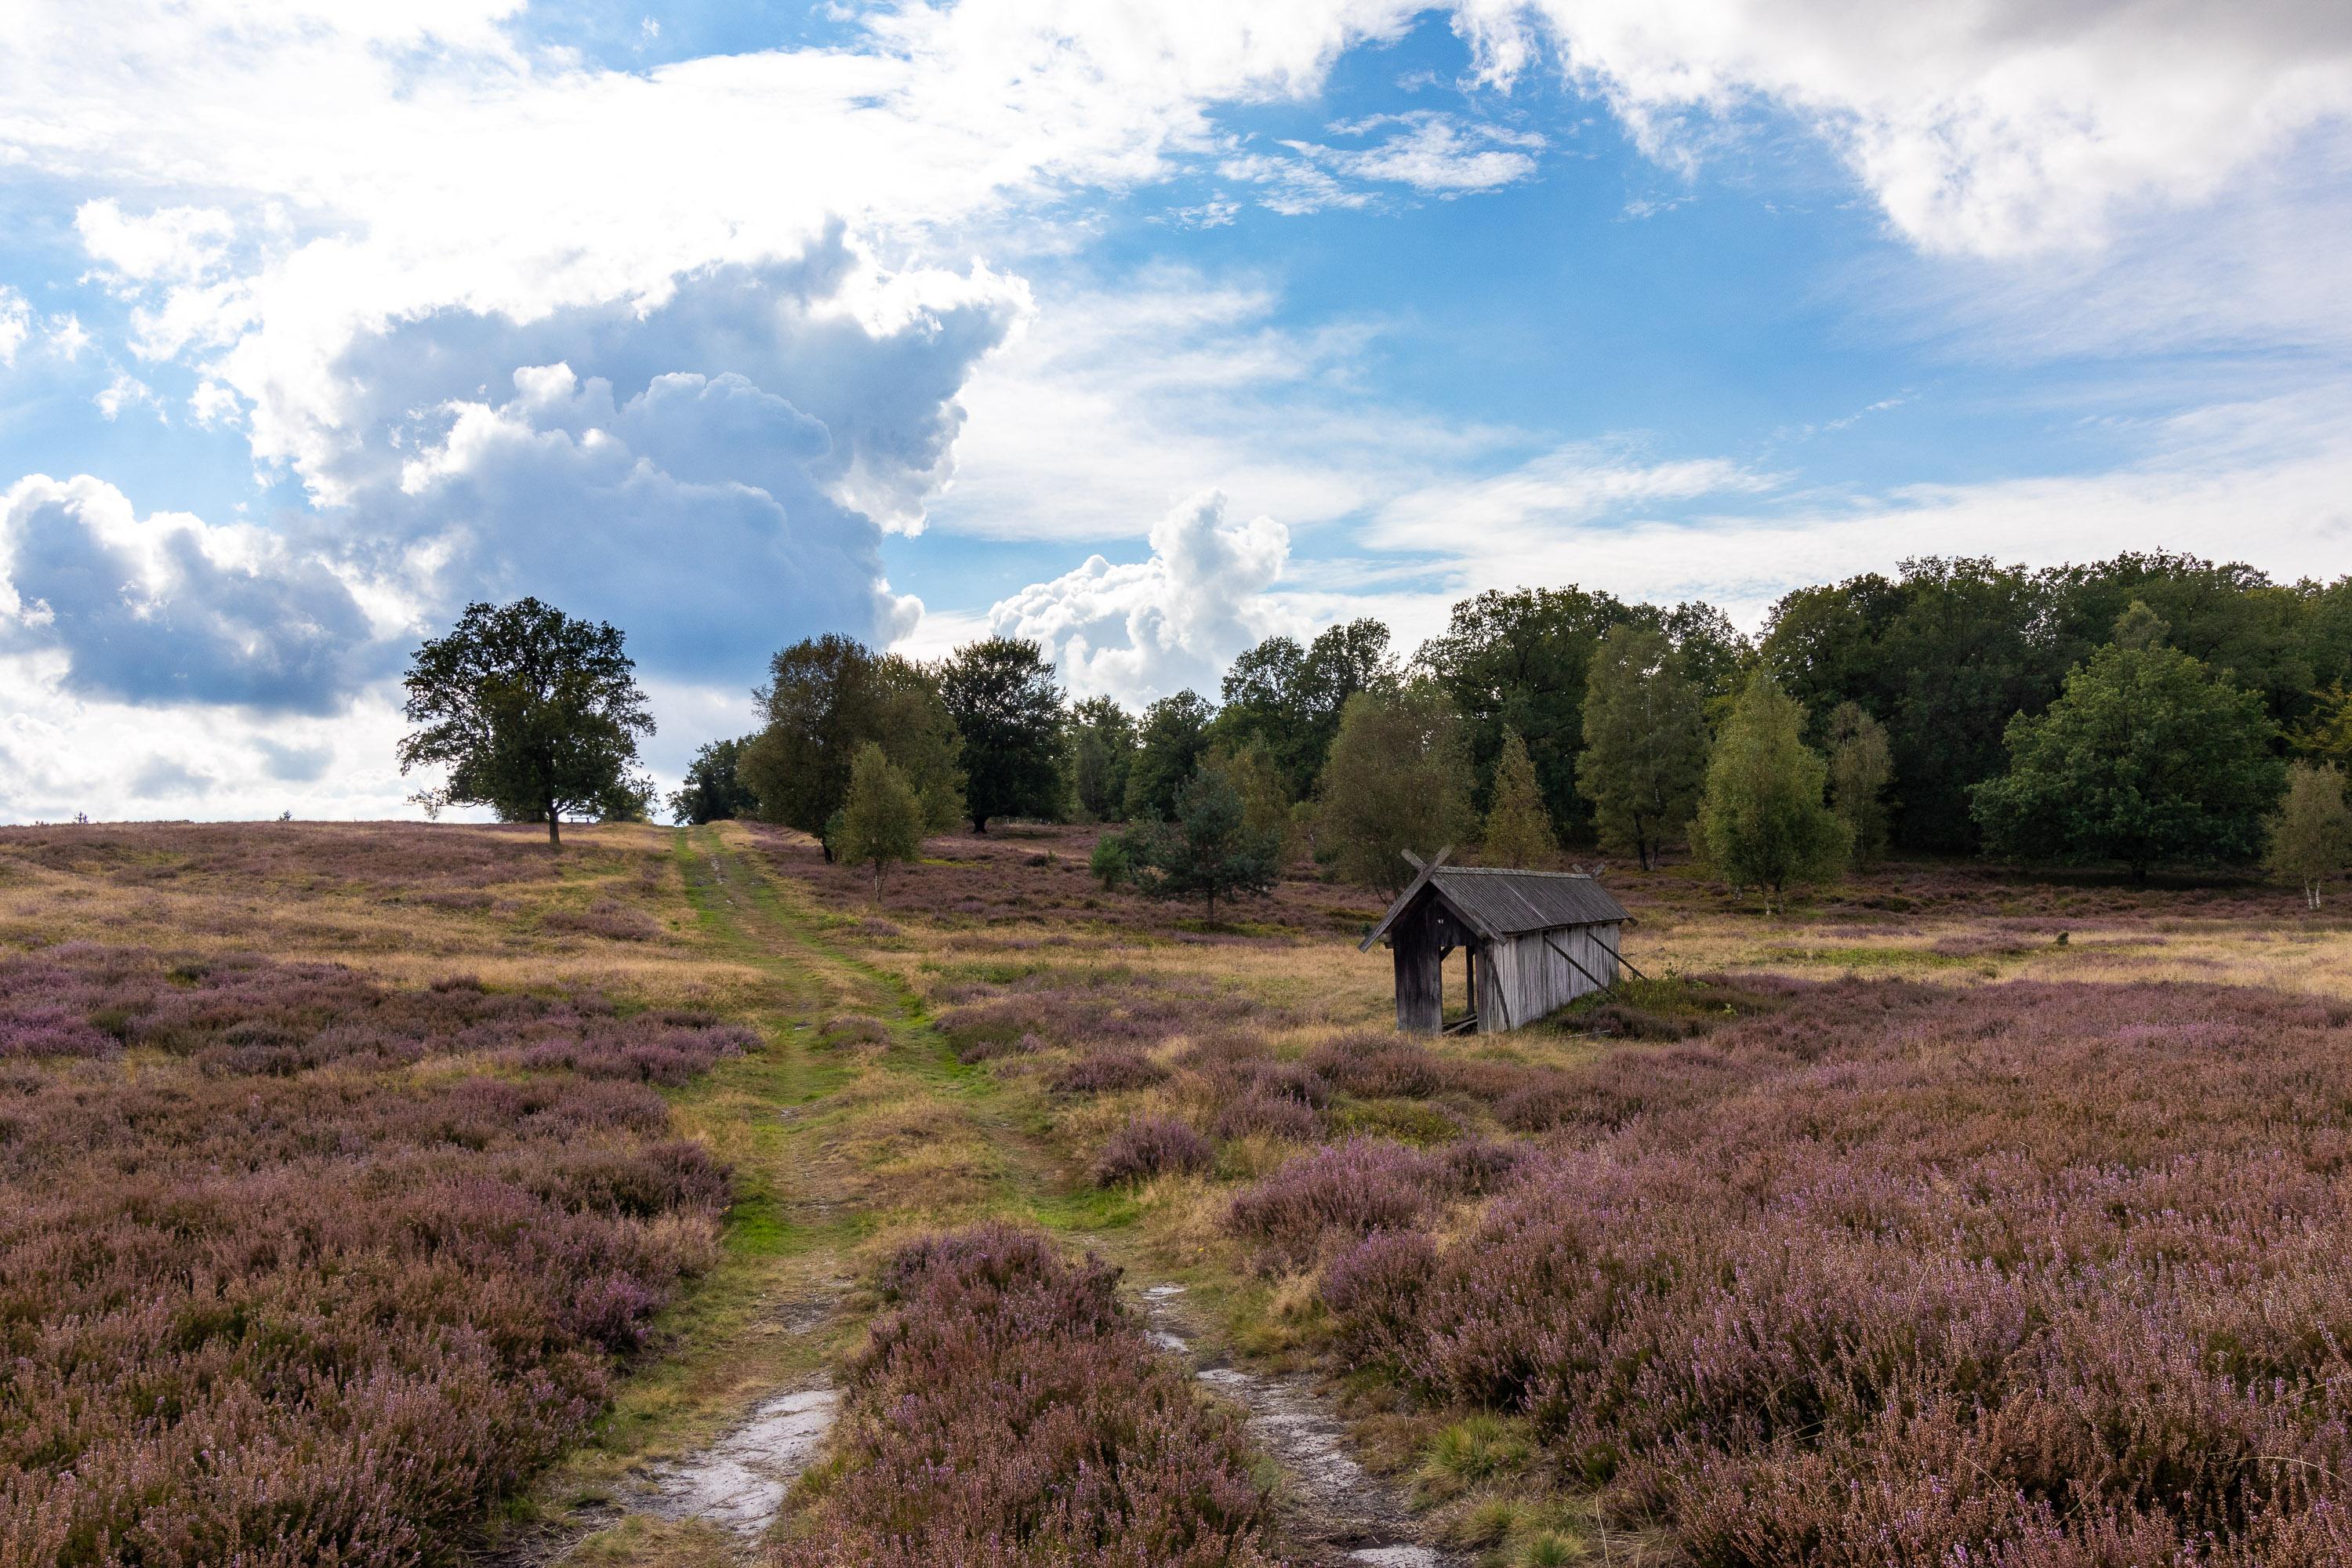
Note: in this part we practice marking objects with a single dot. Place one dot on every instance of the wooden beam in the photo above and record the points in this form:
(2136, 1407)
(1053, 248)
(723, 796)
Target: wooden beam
(1620, 958)
(1598, 983)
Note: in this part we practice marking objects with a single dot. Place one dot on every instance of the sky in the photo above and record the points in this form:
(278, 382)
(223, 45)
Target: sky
(1145, 330)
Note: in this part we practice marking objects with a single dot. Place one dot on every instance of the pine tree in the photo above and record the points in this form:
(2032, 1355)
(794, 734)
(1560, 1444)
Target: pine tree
(1761, 823)
(2310, 836)
(1208, 851)
(882, 819)
(1860, 767)
(1644, 754)
(1518, 828)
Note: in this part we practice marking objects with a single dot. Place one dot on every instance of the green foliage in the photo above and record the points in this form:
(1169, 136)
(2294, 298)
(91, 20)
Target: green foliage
(1518, 829)
(1522, 661)
(1860, 767)
(2145, 757)
(1397, 780)
(1761, 823)
(1949, 652)
(714, 790)
(1000, 693)
(1210, 851)
(1644, 741)
(826, 698)
(1099, 753)
(1518, 661)
(2325, 734)
(1266, 804)
(630, 799)
(533, 713)
(2309, 840)
(1287, 699)
(1113, 860)
(883, 818)
(1169, 750)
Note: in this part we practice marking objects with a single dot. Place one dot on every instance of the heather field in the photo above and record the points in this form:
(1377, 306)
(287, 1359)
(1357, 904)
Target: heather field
(402, 1194)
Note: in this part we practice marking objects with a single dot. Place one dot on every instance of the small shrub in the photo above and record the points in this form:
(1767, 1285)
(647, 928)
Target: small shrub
(1259, 1115)
(1151, 1146)
(1112, 863)
(1349, 1189)
(1005, 1410)
(1373, 1290)
(1106, 1072)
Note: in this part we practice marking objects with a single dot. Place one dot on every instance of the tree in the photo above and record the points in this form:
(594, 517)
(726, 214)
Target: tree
(1208, 851)
(1397, 780)
(2144, 758)
(1000, 693)
(714, 791)
(826, 698)
(1266, 804)
(1761, 823)
(1860, 767)
(533, 713)
(2310, 837)
(2327, 732)
(1168, 753)
(1644, 741)
(1100, 753)
(1518, 829)
(882, 819)
(1518, 661)
(1287, 699)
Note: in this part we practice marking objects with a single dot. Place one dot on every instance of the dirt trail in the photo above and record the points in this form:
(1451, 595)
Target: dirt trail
(736, 1483)
(1332, 1504)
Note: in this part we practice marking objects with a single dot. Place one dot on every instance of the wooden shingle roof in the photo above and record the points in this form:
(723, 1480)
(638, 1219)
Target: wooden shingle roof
(1496, 902)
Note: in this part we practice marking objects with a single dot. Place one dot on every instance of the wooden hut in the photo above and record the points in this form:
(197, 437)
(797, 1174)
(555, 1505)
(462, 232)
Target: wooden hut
(1532, 942)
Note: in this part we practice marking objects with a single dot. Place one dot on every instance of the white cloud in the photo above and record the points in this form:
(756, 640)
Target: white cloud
(16, 323)
(1992, 130)
(1140, 631)
(166, 608)
(1115, 400)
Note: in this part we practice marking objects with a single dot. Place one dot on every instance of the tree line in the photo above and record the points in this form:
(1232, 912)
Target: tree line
(2147, 711)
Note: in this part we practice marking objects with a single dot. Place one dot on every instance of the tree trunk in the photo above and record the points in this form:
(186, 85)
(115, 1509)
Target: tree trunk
(554, 833)
(1212, 906)
(980, 825)
(877, 882)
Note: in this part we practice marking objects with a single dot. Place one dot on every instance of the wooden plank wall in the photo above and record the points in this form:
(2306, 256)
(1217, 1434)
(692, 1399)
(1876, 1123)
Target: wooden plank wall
(1522, 979)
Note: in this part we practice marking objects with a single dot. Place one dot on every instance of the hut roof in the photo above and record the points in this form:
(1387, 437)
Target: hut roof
(1496, 902)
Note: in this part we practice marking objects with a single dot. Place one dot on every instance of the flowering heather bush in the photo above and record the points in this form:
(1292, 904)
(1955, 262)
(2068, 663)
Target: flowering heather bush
(1264, 1115)
(1151, 1146)
(1006, 1410)
(1381, 1066)
(607, 919)
(402, 859)
(2029, 1274)
(283, 1303)
(1343, 1191)
(244, 1014)
(1107, 1072)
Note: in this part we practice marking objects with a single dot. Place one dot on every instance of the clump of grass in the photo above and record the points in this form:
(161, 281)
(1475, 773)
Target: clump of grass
(1474, 1452)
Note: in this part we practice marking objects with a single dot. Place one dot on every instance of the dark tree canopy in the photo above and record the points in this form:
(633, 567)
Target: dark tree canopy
(1946, 652)
(826, 698)
(1285, 699)
(1100, 750)
(713, 791)
(1174, 737)
(1000, 693)
(1211, 850)
(2146, 758)
(533, 713)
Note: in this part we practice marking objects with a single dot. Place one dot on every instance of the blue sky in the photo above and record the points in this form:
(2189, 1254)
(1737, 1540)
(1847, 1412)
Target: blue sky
(1145, 330)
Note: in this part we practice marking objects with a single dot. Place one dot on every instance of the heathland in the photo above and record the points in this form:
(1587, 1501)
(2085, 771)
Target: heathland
(403, 1193)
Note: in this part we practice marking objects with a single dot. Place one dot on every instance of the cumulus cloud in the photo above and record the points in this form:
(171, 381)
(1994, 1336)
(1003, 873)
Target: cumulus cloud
(1142, 630)
(166, 608)
(1990, 130)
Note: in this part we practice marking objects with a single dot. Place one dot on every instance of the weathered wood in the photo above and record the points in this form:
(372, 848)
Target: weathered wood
(1598, 983)
(1620, 957)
